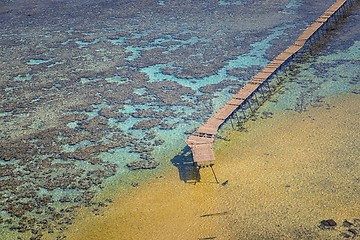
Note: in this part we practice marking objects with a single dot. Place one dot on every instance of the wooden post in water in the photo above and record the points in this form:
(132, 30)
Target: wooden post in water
(214, 173)
(232, 125)
(243, 111)
(248, 102)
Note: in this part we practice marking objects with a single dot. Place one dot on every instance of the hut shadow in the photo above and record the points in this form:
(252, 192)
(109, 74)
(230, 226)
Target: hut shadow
(188, 172)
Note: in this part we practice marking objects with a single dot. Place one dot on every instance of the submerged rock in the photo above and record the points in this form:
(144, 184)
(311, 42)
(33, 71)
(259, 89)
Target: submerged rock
(353, 231)
(345, 235)
(136, 165)
(347, 224)
(327, 224)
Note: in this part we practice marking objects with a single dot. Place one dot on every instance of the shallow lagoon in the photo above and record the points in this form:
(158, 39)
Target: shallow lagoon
(82, 101)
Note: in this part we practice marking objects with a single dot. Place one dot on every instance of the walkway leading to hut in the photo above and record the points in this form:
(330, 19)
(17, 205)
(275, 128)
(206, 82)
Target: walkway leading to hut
(258, 89)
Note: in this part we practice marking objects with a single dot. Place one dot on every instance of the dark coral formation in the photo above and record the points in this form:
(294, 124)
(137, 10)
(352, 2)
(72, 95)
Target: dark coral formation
(136, 165)
(73, 89)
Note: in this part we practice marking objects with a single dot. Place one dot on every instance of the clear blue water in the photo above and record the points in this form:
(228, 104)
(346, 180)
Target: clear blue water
(88, 87)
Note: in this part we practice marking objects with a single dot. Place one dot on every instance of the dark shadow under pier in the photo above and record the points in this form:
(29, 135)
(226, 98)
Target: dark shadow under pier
(188, 172)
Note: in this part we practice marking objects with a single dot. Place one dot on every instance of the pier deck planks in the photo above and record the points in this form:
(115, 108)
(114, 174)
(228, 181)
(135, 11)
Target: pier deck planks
(201, 141)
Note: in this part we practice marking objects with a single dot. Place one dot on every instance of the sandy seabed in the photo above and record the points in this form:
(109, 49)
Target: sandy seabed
(284, 176)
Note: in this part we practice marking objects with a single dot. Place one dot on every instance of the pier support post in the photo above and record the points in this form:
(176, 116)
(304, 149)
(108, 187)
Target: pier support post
(197, 175)
(263, 94)
(237, 117)
(232, 125)
(242, 110)
(268, 85)
(211, 166)
(248, 102)
(256, 99)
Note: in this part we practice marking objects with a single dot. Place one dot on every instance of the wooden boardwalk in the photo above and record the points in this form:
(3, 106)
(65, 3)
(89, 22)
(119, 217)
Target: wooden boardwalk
(258, 88)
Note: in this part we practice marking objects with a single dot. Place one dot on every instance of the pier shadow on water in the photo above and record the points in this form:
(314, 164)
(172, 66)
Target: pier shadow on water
(188, 172)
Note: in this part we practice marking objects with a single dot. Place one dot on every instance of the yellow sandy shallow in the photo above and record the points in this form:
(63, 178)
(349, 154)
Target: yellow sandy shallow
(285, 175)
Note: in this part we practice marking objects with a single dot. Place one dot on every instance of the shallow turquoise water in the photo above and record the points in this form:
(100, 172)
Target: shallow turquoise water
(82, 98)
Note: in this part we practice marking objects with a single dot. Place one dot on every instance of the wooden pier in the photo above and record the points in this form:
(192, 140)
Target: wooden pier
(258, 89)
